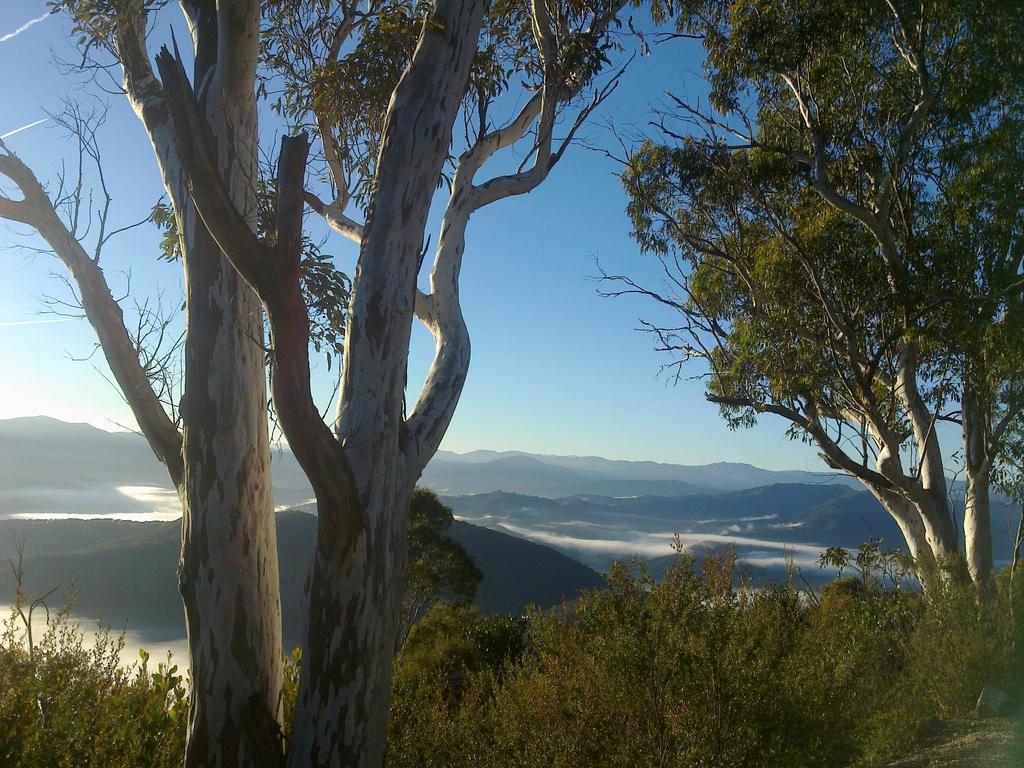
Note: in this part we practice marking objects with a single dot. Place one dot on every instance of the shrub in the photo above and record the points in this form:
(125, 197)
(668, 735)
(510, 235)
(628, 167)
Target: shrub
(65, 705)
(692, 671)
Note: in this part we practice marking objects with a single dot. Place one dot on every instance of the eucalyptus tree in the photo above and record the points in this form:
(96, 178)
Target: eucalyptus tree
(840, 232)
(384, 86)
(214, 443)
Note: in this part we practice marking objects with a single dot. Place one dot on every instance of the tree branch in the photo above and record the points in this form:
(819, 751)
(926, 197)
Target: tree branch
(101, 309)
(203, 179)
(441, 312)
(834, 454)
(274, 272)
(335, 217)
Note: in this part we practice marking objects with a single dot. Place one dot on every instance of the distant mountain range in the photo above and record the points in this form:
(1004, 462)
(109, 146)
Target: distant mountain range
(765, 525)
(124, 572)
(454, 474)
(51, 467)
(587, 508)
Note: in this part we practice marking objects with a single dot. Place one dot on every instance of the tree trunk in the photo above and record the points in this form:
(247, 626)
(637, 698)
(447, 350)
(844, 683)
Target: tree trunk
(1018, 542)
(977, 510)
(228, 573)
(342, 712)
(229, 569)
(909, 522)
(356, 582)
(978, 531)
(941, 536)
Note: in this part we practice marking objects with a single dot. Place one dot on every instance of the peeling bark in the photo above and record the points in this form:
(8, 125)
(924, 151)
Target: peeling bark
(364, 472)
(355, 591)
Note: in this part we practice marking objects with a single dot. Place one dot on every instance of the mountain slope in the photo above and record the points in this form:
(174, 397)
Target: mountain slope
(475, 469)
(125, 572)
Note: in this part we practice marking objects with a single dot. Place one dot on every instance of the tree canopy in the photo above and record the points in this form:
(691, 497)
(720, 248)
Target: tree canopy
(840, 231)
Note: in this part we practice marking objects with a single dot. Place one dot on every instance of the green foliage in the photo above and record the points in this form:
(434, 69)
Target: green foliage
(438, 566)
(876, 568)
(290, 690)
(326, 290)
(66, 705)
(162, 217)
(850, 197)
(459, 639)
(332, 68)
(692, 671)
(689, 671)
(444, 682)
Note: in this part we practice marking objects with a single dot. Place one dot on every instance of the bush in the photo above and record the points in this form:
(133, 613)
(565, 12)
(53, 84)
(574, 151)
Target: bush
(692, 671)
(63, 705)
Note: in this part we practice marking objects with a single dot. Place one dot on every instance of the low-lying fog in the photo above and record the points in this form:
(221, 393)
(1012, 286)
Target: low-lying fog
(156, 644)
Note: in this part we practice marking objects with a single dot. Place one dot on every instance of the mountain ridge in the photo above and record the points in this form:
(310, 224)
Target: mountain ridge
(126, 573)
(43, 452)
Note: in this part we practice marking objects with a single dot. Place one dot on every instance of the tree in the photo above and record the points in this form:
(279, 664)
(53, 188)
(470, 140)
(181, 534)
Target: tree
(840, 234)
(364, 471)
(438, 565)
(219, 460)
(407, 72)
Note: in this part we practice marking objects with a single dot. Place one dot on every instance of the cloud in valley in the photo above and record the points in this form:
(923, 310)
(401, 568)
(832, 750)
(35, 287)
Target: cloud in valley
(658, 544)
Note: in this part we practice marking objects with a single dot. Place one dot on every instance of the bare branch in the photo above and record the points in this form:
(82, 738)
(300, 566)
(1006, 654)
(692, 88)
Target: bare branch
(101, 309)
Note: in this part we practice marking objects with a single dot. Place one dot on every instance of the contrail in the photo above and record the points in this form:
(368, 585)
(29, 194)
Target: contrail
(23, 128)
(18, 323)
(23, 27)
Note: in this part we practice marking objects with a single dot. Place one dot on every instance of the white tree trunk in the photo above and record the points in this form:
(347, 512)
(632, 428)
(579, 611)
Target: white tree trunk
(941, 535)
(930, 495)
(229, 568)
(909, 522)
(977, 511)
(978, 530)
(356, 586)
(228, 573)
(220, 465)
(342, 712)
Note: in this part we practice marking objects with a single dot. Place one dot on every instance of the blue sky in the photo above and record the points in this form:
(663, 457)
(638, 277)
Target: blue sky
(556, 368)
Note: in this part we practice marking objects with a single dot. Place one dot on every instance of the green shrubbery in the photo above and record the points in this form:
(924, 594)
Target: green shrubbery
(690, 671)
(686, 671)
(65, 705)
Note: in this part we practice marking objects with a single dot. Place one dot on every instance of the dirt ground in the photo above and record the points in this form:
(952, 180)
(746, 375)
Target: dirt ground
(973, 743)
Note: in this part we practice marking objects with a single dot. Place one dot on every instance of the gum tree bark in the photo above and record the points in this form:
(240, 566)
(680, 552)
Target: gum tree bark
(983, 438)
(364, 473)
(363, 477)
(228, 572)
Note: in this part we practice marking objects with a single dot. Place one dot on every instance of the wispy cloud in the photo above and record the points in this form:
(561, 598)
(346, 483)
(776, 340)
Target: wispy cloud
(23, 128)
(23, 27)
(656, 544)
(19, 323)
